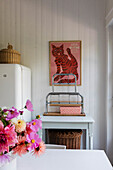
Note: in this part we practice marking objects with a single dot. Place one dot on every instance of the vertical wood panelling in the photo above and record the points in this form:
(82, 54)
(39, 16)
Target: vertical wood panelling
(68, 24)
(30, 25)
(109, 112)
(12, 21)
(22, 30)
(29, 39)
(7, 20)
(54, 20)
(92, 47)
(44, 45)
(109, 6)
(17, 24)
(84, 32)
(2, 44)
(99, 72)
(59, 20)
(76, 15)
(92, 69)
(37, 98)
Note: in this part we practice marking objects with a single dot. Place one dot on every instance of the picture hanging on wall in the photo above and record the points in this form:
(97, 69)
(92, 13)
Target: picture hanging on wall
(65, 57)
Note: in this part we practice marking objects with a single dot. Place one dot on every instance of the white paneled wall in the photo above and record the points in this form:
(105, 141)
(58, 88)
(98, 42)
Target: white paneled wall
(109, 12)
(109, 98)
(29, 25)
(109, 71)
(109, 6)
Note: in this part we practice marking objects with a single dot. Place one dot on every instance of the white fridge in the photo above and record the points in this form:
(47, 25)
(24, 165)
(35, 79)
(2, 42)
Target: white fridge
(15, 87)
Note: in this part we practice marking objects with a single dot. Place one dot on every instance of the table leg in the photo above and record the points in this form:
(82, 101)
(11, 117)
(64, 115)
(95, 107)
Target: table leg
(90, 136)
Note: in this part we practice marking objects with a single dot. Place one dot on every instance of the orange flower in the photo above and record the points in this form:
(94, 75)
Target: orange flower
(39, 150)
(21, 139)
(22, 146)
(20, 149)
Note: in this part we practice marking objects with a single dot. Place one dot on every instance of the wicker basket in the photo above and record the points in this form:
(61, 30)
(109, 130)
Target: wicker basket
(70, 138)
(9, 55)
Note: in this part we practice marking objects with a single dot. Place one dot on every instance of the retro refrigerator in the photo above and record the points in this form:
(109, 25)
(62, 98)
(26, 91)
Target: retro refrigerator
(15, 87)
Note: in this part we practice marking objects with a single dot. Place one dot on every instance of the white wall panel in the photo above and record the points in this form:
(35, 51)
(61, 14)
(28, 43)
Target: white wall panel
(109, 111)
(109, 6)
(109, 12)
(30, 25)
(109, 75)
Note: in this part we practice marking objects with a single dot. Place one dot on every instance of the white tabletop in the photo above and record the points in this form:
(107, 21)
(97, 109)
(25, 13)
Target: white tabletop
(66, 160)
(73, 119)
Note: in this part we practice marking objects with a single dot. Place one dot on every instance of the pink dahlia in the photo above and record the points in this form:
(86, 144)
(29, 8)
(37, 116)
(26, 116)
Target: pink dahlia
(40, 149)
(20, 149)
(36, 124)
(29, 105)
(8, 137)
(22, 146)
(34, 140)
(12, 113)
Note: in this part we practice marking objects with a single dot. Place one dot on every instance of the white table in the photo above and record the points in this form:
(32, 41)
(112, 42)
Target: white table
(71, 122)
(66, 160)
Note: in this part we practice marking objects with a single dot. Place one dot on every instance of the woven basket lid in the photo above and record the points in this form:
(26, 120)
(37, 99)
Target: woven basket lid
(9, 49)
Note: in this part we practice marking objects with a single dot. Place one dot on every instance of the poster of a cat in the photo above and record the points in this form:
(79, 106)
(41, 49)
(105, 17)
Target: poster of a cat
(65, 57)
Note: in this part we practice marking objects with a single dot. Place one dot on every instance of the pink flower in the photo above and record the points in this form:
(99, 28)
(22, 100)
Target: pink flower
(40, 149)
(12, 113)
(4, 158)
(21, 139)
(5, 110)
(29, 105)
(28, 128)
(8, 137)
(34, 140)
(1, 125)
(21, 147)
(21, 112)
(36, 124)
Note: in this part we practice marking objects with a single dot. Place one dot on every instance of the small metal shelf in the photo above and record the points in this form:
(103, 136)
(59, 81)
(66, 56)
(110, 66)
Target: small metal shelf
(67, 103)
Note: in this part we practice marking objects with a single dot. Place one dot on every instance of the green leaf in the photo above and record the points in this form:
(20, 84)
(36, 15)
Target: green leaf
(5, 113)
(2, 113)
(4, 122)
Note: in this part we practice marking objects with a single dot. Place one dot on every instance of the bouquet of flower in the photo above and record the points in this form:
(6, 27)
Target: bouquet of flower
(18, 136)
